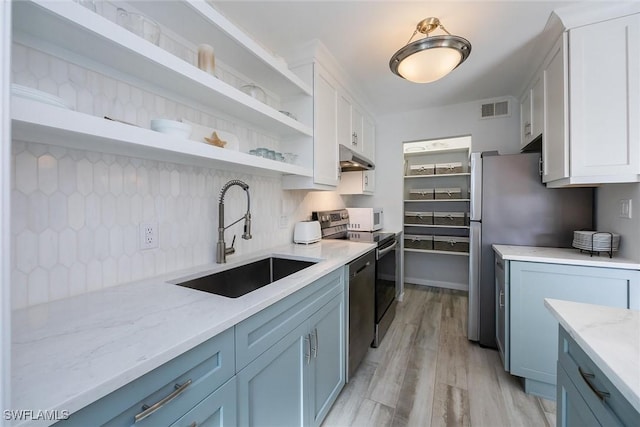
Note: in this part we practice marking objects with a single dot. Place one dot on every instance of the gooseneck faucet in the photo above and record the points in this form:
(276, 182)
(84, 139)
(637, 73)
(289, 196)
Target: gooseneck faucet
(221, 249)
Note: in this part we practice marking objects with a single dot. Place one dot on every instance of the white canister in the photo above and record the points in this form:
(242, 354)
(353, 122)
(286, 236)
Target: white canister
(206, 59)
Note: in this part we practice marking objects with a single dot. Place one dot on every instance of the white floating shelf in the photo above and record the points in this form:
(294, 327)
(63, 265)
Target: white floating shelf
(442, 175)
(72, 31)
(431, 152)
(427, 251)
(198, 22)
(37, 122)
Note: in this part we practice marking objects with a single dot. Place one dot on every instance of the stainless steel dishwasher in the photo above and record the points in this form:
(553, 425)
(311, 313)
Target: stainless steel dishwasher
(362, 278)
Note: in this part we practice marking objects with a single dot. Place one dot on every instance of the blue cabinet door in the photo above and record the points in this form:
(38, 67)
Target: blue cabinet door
(271, 388)
(327, 366)
(534, 330)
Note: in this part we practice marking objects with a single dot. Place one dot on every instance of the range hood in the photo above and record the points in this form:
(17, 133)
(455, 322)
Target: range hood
(351, 161)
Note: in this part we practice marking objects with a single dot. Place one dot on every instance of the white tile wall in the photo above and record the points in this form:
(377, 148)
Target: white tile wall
(77, 230)
(75, 213)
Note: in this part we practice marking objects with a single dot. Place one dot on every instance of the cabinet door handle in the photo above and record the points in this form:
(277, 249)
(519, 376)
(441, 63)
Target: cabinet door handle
(315, 338)
(587, 377)
(193, 424)
(148, 410)
(307, 354)
(501, 299)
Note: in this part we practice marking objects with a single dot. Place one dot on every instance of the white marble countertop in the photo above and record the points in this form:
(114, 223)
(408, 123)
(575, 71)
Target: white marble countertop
(563, 256)
(610, 337)
(68, 353)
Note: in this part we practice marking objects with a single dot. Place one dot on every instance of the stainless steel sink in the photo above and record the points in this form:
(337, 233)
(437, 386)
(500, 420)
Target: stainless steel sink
(238, 281)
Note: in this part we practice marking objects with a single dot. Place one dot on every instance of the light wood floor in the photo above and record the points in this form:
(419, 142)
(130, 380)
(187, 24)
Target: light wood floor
(426, 373)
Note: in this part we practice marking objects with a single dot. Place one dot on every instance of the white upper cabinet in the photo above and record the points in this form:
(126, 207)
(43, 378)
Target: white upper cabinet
(325, 147)
(592, 105)
(555, 140)
(604, 90)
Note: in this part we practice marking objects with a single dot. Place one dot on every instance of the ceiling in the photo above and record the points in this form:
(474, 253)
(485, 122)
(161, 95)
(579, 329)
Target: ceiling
(363, 35)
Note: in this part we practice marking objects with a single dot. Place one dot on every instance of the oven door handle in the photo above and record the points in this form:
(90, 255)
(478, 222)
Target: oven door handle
(383, 252)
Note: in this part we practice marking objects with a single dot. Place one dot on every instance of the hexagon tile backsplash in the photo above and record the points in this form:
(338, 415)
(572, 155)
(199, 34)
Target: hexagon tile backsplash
(75, 219)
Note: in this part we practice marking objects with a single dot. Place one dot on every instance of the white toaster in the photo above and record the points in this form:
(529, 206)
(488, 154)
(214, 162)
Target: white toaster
(306, 232)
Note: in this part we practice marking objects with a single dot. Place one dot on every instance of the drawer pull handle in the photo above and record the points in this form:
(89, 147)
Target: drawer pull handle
(586, 377)
(148, 410)
(307, 354)
(315, 348)
(501, 299)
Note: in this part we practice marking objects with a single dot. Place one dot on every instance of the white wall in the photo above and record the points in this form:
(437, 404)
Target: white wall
(392, 130)
(607, 216)
(502, 134)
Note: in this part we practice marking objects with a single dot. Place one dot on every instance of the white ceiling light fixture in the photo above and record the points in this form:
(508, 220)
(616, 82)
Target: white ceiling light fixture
(431, 58)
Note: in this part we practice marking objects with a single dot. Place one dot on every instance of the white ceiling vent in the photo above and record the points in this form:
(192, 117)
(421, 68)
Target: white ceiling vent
(495, 109)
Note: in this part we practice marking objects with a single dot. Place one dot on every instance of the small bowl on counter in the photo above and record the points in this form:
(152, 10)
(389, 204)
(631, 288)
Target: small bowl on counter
(171, 127)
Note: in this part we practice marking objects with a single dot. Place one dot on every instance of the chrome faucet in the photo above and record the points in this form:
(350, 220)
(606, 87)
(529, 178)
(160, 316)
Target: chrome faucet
(221, 249)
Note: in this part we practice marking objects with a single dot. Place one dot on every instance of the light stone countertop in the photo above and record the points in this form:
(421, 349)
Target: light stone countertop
(610, 337)
(69, 353)
(563, 256)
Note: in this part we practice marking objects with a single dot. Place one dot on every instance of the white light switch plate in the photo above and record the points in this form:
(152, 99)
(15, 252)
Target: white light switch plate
(625, 208)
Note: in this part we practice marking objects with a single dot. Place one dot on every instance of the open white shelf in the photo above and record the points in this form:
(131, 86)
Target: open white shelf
(198, 22)
(71, 31)
(437, 226)
(37, 122)
(432, 151)
(442, 175)
(436, 200)
(428, 251)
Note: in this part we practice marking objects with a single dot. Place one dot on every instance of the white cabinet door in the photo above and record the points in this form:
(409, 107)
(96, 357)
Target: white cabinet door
(525, 118)
(356, 129)
(605, 98)
(344, 120)
(555, 142)
(369, 138)
(325, 144)
(537, 107)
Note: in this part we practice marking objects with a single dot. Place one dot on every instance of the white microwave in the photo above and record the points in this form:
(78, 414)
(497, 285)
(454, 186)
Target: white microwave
(365, 219)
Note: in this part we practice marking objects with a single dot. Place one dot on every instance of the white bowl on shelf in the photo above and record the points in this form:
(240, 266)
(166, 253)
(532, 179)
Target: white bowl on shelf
(171, 127)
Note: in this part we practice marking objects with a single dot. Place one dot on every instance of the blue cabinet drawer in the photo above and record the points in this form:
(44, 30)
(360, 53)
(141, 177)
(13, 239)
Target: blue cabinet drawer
(219, 409)
(611, 409)
(262, 330)
(180, 384)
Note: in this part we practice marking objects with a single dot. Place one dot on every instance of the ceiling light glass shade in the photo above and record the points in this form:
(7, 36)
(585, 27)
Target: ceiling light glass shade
(431, 58)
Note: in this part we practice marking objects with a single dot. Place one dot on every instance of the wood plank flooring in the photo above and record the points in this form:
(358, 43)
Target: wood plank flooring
(426, 373)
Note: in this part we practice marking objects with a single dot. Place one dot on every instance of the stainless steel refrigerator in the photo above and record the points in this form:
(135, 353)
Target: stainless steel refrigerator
(511, 206)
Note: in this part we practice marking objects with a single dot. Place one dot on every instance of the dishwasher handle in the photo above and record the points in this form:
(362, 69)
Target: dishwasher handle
(360, 270)
(383, 252)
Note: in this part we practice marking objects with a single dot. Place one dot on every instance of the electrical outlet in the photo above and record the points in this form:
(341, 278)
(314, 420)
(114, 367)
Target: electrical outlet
(148, 235)
(284, 221)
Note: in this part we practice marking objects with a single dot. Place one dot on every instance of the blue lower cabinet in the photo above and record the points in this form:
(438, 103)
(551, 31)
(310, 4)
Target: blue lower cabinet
(295, 382)
(533, 332)
(216, 410)
(163, 395)
(327, 363)
(586, 396)
(571, 409)
(271, 388)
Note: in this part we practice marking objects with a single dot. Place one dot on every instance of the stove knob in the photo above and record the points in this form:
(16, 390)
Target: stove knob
(344, 215)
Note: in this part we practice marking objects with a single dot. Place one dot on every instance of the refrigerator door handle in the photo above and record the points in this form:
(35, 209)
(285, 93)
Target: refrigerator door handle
(475, 187)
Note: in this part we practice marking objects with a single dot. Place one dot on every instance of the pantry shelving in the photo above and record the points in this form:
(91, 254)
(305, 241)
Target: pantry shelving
(74, 33)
